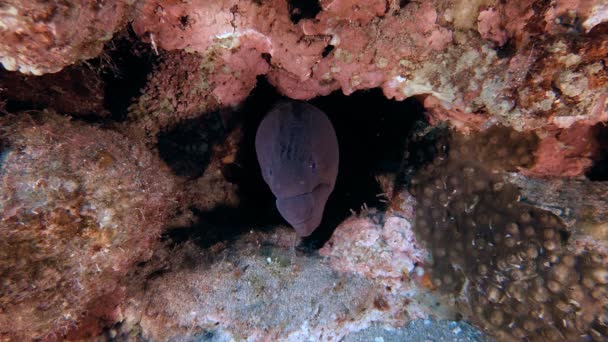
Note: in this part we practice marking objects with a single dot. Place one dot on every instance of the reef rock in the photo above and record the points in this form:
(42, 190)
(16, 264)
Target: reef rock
(519, 63)
(259, 288)
(79, 206)
(39, 37)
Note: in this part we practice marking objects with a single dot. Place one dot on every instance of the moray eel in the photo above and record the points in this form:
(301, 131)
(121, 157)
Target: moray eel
(297, 151)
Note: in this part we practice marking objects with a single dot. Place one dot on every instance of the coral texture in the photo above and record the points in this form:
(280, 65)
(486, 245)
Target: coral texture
(83, 206)
(518, 269)
(374, 246)
(521, 63)
(259, 289)
(79, 205)
(177, 90)
(474, 64)
(43, 37)
(565, 152)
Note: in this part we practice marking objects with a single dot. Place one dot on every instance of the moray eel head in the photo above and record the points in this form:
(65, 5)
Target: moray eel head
(297, 151)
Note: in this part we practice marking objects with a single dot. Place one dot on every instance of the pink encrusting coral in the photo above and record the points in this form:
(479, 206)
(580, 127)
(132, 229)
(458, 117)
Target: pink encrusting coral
(79, 206)
(490, 27)
(565, 152)
(520, 63)
(38, 37)
(237, 70)
(374, 247)
(475, 56)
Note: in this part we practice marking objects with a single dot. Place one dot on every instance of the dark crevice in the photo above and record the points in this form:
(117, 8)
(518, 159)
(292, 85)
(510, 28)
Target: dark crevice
(507, 50)
(599, 169)
(224, 224)
(124, 66)
(76, 90)
(256, 203)
(98, 90)
(303, 9)
(184, 22)
(187, 147)
(327, 50)
(372, 133)
(403, 3)
(267, 57)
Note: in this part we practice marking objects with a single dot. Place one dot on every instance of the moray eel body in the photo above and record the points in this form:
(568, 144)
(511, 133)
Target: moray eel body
(297, 151)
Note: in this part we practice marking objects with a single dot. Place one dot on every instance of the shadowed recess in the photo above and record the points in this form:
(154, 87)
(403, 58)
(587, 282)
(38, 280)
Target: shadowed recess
(372, 133)
(4, 147)
(187, 147)
(303, 9)
(599, 170)
(124, 67)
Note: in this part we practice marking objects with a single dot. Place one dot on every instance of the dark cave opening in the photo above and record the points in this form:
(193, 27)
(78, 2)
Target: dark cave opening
(303, 9)
(96, 90)
(599, 169)
(372, 133)
(124, 67)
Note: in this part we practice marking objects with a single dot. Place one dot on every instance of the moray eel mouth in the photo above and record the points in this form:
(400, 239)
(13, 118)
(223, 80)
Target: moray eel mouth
(297, 210)
(304, 211)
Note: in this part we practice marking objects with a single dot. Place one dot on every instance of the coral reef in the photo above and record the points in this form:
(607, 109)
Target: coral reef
(39, 37)
(518, 269)
(473, 64)
(79, 206)
(151, 220)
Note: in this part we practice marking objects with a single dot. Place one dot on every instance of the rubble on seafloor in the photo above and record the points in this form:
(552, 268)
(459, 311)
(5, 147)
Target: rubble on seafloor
(472, 187)
(262, 288)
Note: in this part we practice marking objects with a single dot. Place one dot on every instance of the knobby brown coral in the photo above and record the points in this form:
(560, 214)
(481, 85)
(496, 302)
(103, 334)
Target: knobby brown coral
(515, 267)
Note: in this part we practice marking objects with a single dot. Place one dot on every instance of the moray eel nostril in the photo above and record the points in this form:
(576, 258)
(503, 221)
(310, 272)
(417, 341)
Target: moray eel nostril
(297, 150)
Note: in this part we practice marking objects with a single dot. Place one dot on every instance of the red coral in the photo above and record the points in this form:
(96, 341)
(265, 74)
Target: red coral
(565, 152)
